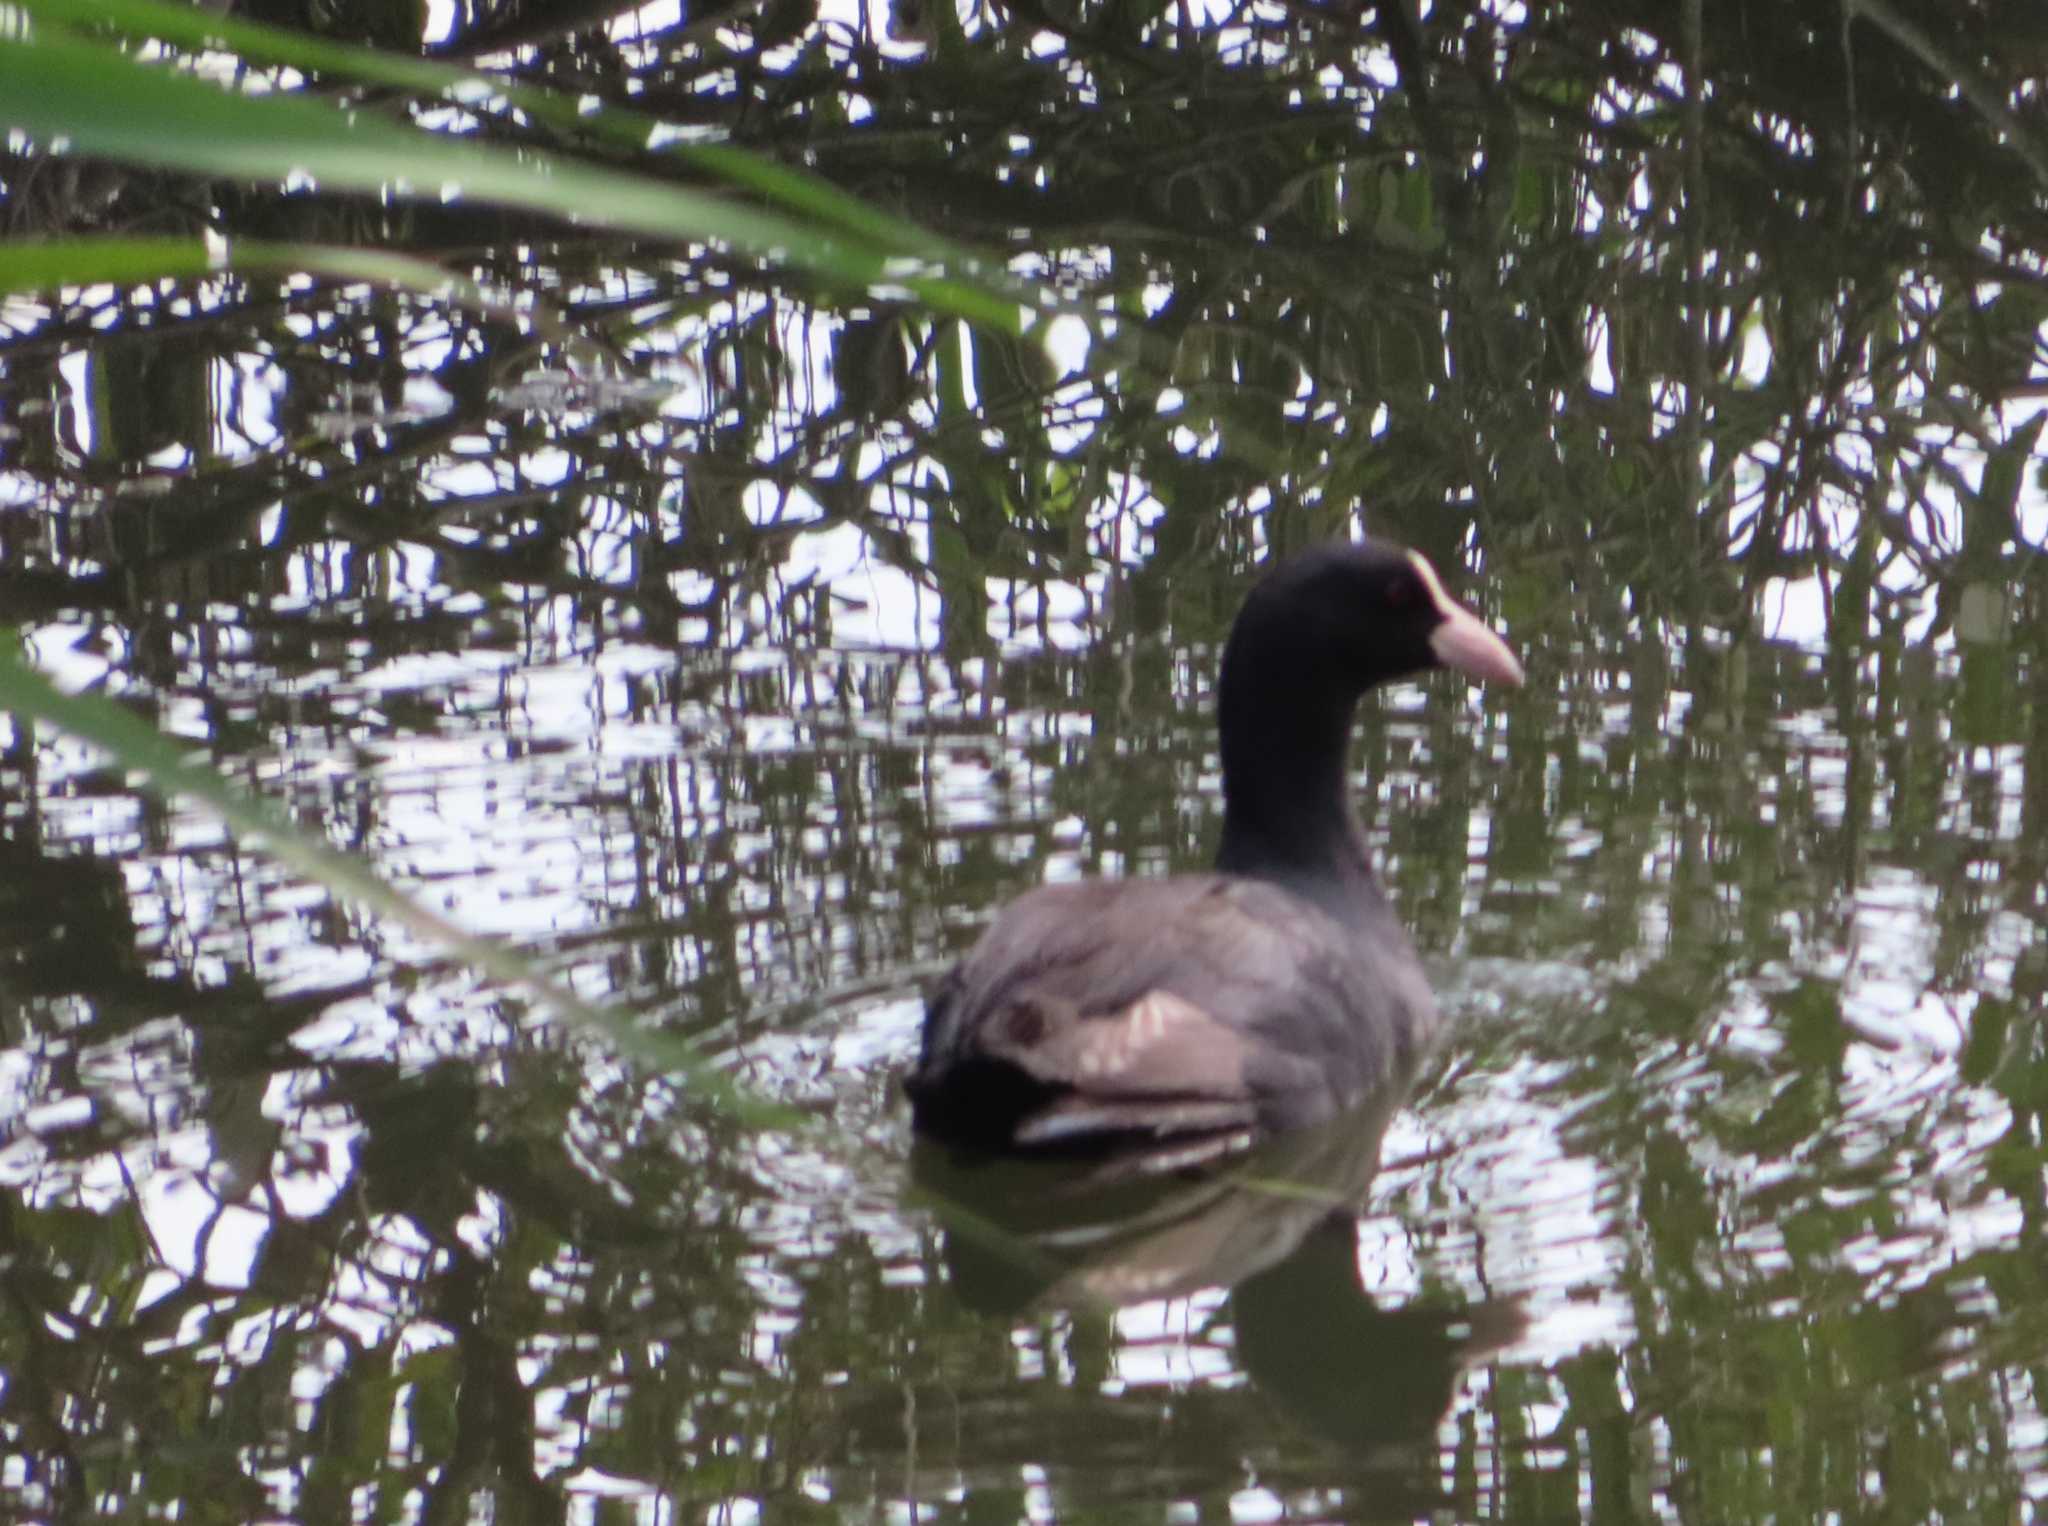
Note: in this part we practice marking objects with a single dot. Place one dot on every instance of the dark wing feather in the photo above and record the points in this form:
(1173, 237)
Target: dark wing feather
(1191, 1005)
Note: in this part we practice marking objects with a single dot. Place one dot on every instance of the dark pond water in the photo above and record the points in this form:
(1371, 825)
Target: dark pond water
(743, 688)
(1726, 1187)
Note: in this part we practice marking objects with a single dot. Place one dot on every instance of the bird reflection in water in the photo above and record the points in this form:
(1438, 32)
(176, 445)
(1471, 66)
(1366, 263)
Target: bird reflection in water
(1277, 1227)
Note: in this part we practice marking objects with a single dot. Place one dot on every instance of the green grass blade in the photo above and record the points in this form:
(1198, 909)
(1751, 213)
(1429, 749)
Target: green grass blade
(167, 770)
(49, 264)
(46, 265)
(99, 101)
(195, 28)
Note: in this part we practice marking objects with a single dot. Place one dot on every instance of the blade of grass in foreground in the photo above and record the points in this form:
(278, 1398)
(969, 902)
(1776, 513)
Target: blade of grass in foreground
(39, 265)
(162, 763)
(794, 190)
(54, 86)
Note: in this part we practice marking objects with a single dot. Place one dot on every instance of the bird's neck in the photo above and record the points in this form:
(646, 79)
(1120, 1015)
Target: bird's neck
(1287, 814)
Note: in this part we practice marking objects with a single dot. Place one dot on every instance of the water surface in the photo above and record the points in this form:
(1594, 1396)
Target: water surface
(741, 654)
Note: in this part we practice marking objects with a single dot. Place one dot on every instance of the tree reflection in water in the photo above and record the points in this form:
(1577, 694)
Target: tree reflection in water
(748, 672)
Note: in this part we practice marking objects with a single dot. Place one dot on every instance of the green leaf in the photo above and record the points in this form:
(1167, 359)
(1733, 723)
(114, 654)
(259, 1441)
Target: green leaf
(163, 764)
(193, 27)
(47, 265)
(56, 87)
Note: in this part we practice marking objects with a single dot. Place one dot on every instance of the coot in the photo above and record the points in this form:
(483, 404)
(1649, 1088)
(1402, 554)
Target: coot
(1207, 1009)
